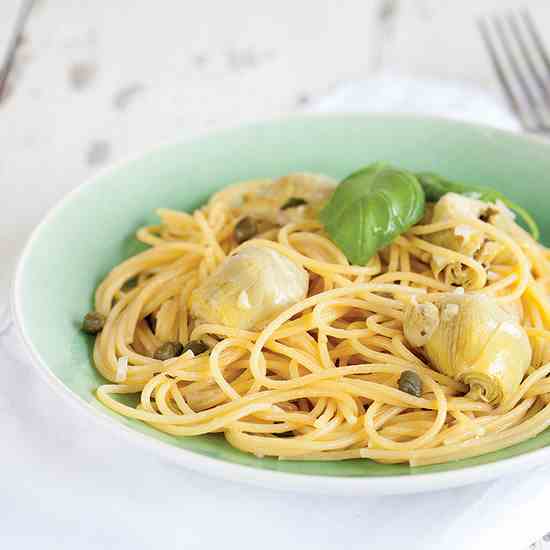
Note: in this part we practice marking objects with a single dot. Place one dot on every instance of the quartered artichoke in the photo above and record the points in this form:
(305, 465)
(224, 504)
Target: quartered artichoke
(463, 239)
(272, 202)
(249, 288)
(473, 340)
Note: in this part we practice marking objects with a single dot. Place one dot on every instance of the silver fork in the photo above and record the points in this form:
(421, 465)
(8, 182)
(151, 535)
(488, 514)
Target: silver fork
(522, 66)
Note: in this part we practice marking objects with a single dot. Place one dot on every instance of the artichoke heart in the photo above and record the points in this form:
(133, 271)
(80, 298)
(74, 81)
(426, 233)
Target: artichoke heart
(462, 239)
(472, 339)
(249, 288)
(266, 201)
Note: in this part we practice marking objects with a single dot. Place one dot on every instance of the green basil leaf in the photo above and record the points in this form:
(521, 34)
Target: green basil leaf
(370, 208)
(435, 187)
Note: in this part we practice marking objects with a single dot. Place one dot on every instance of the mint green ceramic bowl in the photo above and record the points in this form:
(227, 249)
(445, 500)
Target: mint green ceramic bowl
(92, 230)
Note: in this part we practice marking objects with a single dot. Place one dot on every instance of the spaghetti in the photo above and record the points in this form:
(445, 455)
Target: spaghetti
(320, 380)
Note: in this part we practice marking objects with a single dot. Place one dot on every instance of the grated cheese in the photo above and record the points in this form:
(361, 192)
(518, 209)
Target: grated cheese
(121, 369)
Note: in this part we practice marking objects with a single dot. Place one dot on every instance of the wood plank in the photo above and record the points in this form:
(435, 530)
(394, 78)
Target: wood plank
(97, 81)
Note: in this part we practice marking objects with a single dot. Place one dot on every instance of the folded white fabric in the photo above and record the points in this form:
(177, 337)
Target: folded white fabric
(67, 483)
(427, 96)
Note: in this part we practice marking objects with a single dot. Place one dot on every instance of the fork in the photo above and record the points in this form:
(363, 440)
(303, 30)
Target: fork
(522, 66)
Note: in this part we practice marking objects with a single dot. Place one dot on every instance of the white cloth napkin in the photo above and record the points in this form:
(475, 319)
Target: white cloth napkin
(399, 94)
(67, 483)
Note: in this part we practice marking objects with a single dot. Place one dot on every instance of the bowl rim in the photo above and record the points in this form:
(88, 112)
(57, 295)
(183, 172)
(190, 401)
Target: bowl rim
(217, 467)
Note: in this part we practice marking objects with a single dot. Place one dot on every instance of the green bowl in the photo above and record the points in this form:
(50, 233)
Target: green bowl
(92, 230)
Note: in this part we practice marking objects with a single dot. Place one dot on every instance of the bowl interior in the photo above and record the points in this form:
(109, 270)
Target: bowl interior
(92, 230)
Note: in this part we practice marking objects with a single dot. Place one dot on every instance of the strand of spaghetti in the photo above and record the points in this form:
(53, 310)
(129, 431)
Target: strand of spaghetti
(158, 289)
(378, 324)
(499, 286)
(149, 235)
(416, 253)
(233, 193)
(148, 341)
(264, 398)
(214, 362)
(417, 442)
(465, 423)
(393, 264)
(163, 399)
(494, 442)
(461, 450)
(489, 424)
(399, 349)
(216, 424)
(311, 363)
(539, 388)
(327, 414)
(318, 248)
(166, 320)
(261, 428)
(325, 455)
(290, 328)
(175, 218)
(313, 265)
(322, 340)
(524, 387)
(344, 401)
(209, 235)
(104, 355)
(404, 263)
(183, 328)
(405, 431)
(277, 446)
(302, 342)
(307, 303)
(180, 400)
(130, 268)
(534, 292)
(533, 314)
(320, 433)
(393, 276)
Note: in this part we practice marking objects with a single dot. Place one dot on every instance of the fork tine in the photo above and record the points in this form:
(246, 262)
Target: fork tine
(499, 70)
(531, 100)
(516, 31)
(529, 23)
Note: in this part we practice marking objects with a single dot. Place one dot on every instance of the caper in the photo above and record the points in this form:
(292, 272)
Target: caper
(93, 322)
(168, 350)
(293, 202)
(410, 383)
(245, 229)
(196, 346)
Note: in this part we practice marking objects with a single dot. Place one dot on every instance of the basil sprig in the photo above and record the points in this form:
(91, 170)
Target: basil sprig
(435, 187)
(374, 205)
(370, 208)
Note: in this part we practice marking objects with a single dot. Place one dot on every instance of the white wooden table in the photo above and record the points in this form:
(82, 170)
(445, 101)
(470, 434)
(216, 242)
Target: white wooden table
(95, 81)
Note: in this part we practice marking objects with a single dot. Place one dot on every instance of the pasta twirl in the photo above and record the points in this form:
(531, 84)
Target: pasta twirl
(319, 379)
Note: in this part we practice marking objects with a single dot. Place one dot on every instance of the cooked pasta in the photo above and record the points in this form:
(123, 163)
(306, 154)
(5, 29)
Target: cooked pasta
(308, 364)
